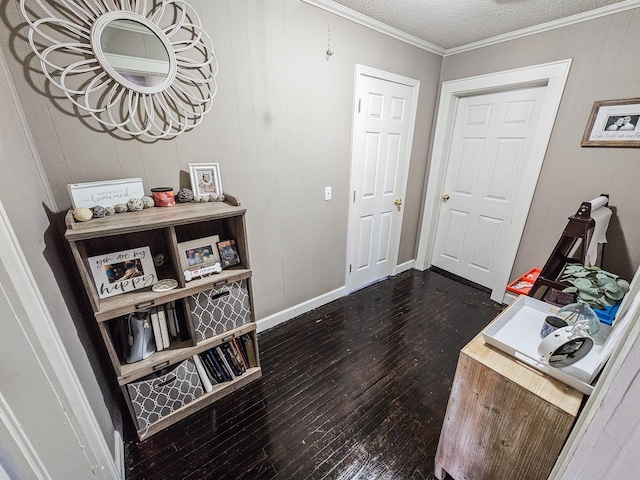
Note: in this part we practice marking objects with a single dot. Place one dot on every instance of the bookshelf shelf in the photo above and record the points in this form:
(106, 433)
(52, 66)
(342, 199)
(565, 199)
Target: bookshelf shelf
(205, 311)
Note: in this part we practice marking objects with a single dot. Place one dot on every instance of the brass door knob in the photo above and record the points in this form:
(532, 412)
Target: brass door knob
(398, 202)
(445, 197)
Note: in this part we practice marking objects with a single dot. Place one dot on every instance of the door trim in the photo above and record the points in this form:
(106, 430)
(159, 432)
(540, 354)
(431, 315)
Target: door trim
(36, 321)
(360, 71)
(554, 76)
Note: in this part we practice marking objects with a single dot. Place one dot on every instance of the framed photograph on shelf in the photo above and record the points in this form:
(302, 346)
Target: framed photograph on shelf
(124, 271)
(613, 123)
(228, 253)
(205, 178)
(199, 253)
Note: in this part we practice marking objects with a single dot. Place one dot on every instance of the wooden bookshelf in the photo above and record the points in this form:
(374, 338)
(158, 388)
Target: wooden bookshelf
(163, 229)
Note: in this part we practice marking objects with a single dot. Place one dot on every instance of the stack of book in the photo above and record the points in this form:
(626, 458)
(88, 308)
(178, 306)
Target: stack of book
(226, 362)
(166, 326)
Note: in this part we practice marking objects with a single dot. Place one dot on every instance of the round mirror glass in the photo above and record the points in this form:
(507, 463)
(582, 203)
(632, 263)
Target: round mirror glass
(135, 52)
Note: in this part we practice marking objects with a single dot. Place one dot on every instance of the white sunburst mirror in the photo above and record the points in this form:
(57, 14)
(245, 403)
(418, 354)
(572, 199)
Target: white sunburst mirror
(143, 67)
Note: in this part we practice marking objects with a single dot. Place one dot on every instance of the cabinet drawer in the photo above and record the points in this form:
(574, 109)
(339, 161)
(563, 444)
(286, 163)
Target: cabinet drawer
(156, 397)
(220, 309)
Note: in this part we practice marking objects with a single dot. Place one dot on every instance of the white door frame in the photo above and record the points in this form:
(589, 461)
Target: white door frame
(362, 70)
(90, 452)
(554, 76)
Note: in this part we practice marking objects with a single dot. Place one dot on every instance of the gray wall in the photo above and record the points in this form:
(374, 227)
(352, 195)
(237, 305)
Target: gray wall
(280, 129)
(605, 66)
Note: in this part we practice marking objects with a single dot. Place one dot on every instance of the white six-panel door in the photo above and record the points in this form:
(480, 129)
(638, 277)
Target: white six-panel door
(383, 133)
(492, 139)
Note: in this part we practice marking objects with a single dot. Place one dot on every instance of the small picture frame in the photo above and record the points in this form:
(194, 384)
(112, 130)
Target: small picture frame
(228, 253)
(124, 271)
(199, 253)
(613, 123)
(205, 178)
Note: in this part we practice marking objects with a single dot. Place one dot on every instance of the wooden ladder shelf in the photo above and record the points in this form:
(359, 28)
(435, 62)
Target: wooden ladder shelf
(579, 228)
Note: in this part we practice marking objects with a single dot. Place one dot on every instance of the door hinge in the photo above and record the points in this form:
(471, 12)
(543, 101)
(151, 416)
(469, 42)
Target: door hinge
(354, 196)
(359, 104)
(350, 268)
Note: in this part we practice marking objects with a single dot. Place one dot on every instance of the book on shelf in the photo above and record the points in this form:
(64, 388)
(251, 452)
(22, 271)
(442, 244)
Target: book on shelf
(181, 323)
(217, 368)
(155, 324)
(238, 356)
(215, 376)
(241, 350)
(204, 378)
(249, 347)
(232, 359)
(170, 313)
(225, 364)
(164, 328)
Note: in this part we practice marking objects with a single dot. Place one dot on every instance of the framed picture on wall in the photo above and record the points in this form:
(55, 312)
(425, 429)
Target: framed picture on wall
(205, 178)
(613, 123)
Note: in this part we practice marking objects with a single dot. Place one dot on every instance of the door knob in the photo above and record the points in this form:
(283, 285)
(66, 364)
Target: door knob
(445, 197)
(398, 202)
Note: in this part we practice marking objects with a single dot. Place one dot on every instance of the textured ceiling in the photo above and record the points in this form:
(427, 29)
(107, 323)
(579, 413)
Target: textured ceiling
(452, 23)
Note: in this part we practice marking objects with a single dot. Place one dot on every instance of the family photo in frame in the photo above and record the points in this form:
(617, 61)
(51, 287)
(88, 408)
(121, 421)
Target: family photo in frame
(199, 253)
(205, 178)
(613, 123)
(228, 253)
(124, 271)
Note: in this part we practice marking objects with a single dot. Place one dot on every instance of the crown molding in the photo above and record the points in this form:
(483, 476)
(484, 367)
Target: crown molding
(378, 26)
(369, 22)
(544, 27)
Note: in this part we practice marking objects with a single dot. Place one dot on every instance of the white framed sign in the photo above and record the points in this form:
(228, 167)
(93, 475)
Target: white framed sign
(105, 194)
(124, 271)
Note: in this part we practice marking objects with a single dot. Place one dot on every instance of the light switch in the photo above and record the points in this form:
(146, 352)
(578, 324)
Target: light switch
(327, 193)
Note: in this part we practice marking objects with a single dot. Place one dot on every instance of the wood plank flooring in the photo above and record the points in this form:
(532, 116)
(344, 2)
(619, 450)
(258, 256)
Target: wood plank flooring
(356, 389)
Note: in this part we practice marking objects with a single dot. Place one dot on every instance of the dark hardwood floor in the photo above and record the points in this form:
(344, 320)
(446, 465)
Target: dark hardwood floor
(356, 389)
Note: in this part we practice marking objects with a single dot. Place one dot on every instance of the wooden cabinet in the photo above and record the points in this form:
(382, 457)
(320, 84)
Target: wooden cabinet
(504, 420)
(164, 230)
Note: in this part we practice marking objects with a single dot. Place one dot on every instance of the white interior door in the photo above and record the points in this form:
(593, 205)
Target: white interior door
(383, 133)
(490, 146)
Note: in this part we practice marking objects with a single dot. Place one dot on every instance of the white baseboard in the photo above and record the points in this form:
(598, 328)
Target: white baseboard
(118, 452)
(304, 307)
(508, 298)
(403, 267)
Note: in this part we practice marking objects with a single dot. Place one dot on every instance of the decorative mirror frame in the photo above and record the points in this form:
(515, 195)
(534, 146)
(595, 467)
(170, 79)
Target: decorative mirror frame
(65, 36)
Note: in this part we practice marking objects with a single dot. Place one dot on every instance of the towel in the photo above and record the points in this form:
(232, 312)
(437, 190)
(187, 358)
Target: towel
(601, 216)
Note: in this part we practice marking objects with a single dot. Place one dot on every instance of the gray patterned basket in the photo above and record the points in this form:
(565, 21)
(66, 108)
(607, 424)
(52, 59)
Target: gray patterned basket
(220, 309)
(156, 397)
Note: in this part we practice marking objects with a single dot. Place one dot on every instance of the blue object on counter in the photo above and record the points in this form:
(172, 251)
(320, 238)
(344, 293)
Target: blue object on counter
(607, 314)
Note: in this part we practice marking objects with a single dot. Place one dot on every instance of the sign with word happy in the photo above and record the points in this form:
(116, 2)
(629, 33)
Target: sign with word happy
(125, 271)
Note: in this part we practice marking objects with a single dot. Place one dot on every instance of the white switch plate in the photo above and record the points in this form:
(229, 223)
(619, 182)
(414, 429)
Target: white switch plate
(327, 193)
